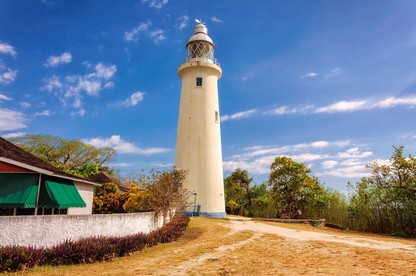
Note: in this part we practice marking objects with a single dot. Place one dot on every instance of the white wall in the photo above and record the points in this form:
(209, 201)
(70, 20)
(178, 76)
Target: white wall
(50, 230)
(86, 191)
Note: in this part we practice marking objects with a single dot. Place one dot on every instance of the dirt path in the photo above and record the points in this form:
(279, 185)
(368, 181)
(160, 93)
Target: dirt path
(275, 248)
(300, 235)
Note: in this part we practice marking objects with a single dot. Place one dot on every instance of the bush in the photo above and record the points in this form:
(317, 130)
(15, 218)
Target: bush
(14, 258)
(89, 250)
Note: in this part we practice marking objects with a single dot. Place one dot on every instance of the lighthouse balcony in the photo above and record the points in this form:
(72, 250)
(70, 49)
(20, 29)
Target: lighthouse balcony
(204, 59)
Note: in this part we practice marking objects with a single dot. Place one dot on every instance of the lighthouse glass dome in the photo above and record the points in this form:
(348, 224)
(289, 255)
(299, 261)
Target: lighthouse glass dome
(200, 45)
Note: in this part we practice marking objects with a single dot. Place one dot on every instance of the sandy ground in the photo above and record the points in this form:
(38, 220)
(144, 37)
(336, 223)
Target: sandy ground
(239, 246)
(274, 250)
(300, 235)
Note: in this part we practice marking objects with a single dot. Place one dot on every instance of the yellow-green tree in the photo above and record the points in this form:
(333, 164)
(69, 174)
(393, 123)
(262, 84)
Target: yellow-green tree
(291, 183)
(71, 156)
(139, 200)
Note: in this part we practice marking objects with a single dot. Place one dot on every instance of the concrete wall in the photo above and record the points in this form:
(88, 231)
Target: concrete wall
(50, 230)
(86, 191)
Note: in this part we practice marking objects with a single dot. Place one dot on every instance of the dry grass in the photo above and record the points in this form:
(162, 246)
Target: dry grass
(203, 235)
(211, 248)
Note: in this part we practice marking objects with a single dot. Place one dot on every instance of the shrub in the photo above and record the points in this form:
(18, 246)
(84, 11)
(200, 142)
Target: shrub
(14, 258)
(89, 250)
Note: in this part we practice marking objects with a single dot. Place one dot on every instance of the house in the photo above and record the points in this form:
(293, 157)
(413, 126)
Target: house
(31, 186)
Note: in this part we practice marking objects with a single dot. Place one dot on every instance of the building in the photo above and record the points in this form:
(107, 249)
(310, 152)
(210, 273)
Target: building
(198, 144)
(30, 186)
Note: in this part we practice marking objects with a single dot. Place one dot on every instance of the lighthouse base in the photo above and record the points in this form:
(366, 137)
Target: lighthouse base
(206, 214)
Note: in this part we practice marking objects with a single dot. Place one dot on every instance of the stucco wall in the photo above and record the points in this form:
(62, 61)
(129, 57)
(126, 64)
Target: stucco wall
(86, 191)
(50, 230)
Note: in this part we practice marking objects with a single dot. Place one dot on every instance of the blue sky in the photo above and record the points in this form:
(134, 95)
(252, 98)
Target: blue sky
(328, 83)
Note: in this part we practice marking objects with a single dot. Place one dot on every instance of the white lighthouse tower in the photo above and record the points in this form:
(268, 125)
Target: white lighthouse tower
(198, 144)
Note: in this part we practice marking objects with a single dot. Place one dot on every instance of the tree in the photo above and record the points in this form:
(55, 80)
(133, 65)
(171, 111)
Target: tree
(237, 196)
(139, 200)
(291, 183)
(386, 201)
(167, 194)
(108, 199)
(71, 156)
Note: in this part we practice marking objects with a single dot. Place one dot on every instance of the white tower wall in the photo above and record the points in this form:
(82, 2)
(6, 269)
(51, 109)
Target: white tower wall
(198, 144)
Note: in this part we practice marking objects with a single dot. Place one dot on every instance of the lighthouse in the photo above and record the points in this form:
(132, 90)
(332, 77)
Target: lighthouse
(198, 143)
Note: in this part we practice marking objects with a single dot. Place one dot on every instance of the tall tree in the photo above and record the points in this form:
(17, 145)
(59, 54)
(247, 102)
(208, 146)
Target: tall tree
(291, 183)
(72, 156)
(237, 195)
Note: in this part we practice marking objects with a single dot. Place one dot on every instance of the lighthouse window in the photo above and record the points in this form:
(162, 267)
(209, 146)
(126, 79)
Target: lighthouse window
(217, 117)
(198, 81)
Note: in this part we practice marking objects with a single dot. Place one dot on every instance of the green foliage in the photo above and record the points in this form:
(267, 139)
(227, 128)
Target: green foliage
(71, 156)
(242, 198)
(237, 196)
(385, 202)
(292, 184)
(89, 250)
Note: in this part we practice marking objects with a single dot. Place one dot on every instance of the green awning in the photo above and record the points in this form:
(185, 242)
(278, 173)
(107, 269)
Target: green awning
(59, 193)
(18, 190)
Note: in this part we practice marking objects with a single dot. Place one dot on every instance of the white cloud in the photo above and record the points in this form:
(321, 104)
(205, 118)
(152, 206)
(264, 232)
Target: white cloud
(7, 76)
(157, 4)
(334, 72)
(309, 75)
(329, 164)
(4, 97)
(349, 172)
(145, 28)
(11, 120)
(70, 88)
(216, 19)
(306, 157)
(257, 166)
(7, 49)
(25, 104)
(342, 106)
(133, 100)
(45, 113)
(122, 164)
(393, 102)
(54, 61)
(354, 153)
(183, 22)
(257, 159)
(320, 144)
(80, 112)
(121, 146)
(239, 115)
(104, 71)
(133, 34)
(282, 110)
(13, 135)
(158, 35)
(291, 149)
(346, 106)
(52, 83)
